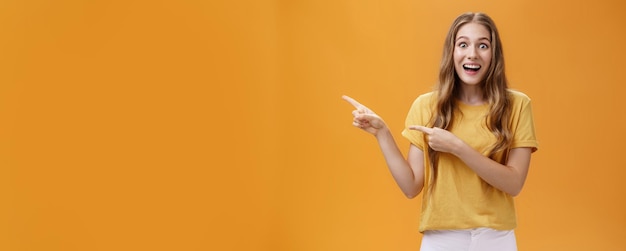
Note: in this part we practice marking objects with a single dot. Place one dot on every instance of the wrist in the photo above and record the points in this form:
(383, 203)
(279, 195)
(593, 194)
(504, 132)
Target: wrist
(382, 133)
(459, 148)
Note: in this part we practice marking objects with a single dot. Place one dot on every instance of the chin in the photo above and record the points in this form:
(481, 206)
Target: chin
(470, 81)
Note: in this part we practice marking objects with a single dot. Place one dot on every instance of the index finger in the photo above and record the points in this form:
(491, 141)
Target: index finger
(423, 129)
(352, 101)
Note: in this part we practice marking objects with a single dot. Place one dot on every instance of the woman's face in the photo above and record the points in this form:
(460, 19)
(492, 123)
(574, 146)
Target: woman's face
(472, 53)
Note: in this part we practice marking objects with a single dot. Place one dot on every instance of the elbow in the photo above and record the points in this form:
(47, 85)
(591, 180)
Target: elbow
(514, 191)
(412, 194)
(514, 187)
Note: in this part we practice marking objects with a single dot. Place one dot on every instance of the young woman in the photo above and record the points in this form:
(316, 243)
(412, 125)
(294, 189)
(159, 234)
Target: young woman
(471, 142)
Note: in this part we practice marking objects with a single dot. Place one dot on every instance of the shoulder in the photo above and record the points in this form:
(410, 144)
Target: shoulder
(520, 102)
(421, 109)
(518, 97)
(425, 99)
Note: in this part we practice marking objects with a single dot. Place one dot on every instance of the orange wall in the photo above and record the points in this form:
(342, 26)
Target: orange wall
(199, 125)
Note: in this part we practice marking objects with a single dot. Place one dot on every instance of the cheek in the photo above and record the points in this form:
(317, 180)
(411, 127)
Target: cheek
(487, 60)
(487, 56)
(456, 56)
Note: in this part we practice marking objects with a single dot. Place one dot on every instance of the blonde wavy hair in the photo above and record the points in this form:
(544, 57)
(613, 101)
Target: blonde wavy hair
(494, 87)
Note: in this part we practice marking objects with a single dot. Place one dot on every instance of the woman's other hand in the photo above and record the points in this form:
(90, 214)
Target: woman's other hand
(365, 118)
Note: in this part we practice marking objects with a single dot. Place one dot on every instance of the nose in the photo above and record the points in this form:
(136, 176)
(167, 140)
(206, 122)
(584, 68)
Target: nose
(471, 53)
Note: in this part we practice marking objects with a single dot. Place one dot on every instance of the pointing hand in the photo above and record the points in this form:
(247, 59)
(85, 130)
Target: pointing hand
(439, 139)
(365, 118)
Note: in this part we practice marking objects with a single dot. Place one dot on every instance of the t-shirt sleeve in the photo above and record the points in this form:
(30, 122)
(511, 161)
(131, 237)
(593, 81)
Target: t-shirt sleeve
(418, 115)
(523, 126)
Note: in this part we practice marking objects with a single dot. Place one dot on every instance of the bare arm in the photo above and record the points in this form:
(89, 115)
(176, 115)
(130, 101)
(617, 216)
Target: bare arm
(408, 173)
(508, 178)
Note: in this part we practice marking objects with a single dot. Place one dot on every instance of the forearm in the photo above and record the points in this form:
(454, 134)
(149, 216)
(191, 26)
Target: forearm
(410, 181)
(503, 177)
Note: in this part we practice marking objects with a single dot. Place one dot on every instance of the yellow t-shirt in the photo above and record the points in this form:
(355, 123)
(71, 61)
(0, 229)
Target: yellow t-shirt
(460, 198)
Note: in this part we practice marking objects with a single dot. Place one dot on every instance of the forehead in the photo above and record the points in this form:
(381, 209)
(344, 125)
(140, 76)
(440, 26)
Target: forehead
(473, 31)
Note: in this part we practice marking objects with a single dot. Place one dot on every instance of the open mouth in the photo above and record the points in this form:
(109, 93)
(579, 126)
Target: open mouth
(471, 67)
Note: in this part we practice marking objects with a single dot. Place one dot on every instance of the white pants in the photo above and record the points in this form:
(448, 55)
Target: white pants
(478, 239)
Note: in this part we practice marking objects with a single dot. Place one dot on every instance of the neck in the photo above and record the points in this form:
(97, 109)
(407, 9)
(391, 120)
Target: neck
(471, 95)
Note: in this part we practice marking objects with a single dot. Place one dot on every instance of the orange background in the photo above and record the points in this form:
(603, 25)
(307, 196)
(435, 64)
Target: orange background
(218, 125)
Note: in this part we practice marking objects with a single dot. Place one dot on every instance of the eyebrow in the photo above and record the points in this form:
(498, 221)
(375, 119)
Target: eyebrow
(482, 38)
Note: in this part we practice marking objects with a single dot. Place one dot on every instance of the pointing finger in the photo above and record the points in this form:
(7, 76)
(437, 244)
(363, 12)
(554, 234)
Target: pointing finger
(352, 102)
(423, 129)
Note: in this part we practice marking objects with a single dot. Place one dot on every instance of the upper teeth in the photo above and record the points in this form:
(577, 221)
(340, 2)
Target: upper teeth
(472, 66)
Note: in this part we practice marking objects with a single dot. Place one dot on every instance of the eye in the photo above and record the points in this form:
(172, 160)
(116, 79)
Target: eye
(483, 46)
(462, 45)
